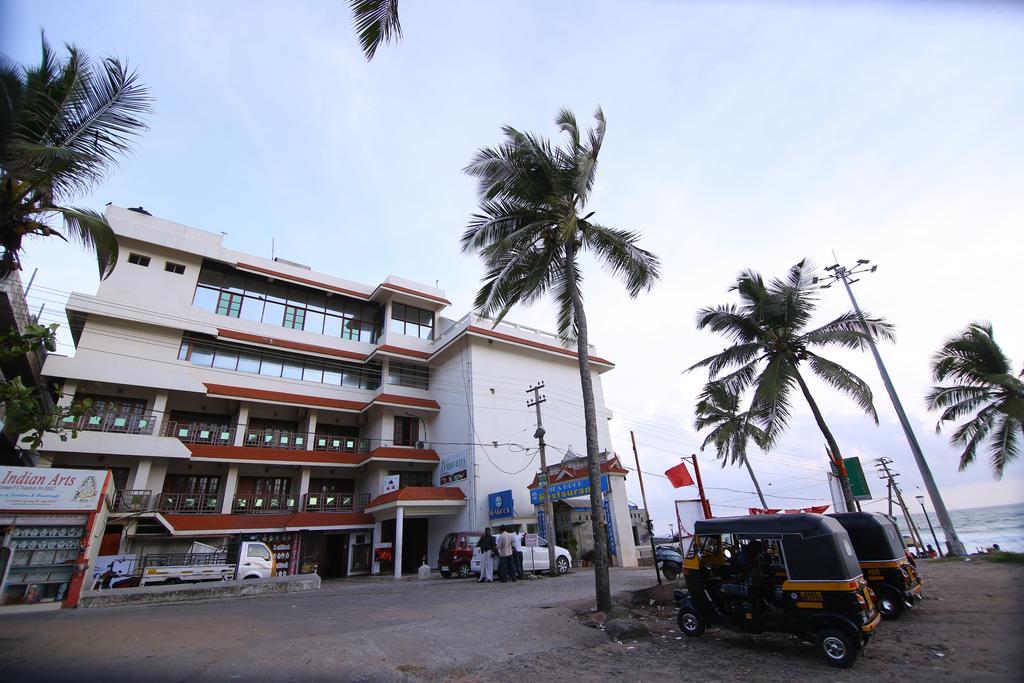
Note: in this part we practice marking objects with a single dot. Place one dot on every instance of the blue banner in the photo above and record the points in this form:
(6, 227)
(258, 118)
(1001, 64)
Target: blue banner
(500, 505)
(567, 489)
(611, 530)
(542, 526)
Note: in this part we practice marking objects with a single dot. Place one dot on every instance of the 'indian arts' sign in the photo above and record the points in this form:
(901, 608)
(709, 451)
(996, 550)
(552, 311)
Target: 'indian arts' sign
(41, 488)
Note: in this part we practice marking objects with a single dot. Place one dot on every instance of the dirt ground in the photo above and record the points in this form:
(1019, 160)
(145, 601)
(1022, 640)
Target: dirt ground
(971, 627)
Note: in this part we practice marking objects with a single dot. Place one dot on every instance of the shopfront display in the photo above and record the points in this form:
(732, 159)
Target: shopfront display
(41, 558)
(284, 547)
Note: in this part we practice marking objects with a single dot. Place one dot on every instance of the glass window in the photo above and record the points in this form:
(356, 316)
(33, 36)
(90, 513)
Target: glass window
(316, 302)
(226, 359)
(314, 322)
(176, 268)
(332, 326)
(273, 313)
(139, 260)
(294, 317)
(408, 375)
(277, 292)
(252, 309)
(229, 304)
(407, 430)
(259, 551)
(415, 322)
(256, 286)
(313, 373)
(206, 299)
(271, 367)
(248, 362)
(351, 378)
(332, 376)
(336, 306)
(291, 369)
(201, 355)
(183, 351)
(234, 282)
(297, 296)
(211, 277)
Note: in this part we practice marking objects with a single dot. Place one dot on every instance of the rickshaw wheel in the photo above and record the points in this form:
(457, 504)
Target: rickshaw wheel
(690, 622)
(837, 647)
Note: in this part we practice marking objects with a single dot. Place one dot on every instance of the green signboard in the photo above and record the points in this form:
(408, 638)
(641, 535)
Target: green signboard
(858, 482)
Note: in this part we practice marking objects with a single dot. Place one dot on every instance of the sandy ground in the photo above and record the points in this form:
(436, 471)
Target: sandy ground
(971, 627)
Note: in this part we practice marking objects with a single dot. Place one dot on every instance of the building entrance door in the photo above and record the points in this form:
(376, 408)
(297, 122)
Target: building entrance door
(414, 543)
(335, 557)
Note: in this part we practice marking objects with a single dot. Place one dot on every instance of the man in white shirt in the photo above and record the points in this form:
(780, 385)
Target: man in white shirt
(517, 554)
(506, 562)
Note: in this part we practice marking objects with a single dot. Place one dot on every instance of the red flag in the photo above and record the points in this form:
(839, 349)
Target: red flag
(817, 509)
(679, 475)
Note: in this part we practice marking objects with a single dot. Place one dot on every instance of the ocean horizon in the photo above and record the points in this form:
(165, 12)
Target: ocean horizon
(978, 528)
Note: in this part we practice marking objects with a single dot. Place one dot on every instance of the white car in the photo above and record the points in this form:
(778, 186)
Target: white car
(535, 559)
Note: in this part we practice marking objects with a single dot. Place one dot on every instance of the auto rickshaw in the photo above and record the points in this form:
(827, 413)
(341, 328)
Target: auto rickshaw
(883, 558)
(792, 573)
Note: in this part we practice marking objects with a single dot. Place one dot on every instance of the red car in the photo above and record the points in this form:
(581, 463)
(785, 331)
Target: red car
(456, 554)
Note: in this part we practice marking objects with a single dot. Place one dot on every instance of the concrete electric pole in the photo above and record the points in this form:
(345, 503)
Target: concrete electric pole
(842, 274)
(549, 518)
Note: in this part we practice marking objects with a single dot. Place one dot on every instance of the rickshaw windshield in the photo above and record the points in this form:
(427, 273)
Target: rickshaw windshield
(709, 546)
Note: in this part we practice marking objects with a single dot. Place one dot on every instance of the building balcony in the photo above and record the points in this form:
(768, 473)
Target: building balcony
(188, 503)
(335, 502)
(132, 500)
(195, 432)
(262, 503)
(340, 444)
(275, 438)
(111, 422)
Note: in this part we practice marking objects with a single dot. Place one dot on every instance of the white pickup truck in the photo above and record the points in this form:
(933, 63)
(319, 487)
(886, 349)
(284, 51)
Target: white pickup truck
(239, 560)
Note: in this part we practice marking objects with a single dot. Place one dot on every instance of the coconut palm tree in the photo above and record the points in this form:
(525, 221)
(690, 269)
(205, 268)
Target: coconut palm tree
(531, 231)
(62, 124)
(719, 409)
(983, 383)
(376, 22)
(771, 345)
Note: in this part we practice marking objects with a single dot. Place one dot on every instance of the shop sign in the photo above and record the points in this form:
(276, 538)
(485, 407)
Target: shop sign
(500, 505)
(453, 469)
(531, 540)
(567, 489)
(40, 488)
(611, 529)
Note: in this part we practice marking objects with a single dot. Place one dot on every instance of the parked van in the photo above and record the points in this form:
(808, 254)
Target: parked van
(460, 557)
(239, 560)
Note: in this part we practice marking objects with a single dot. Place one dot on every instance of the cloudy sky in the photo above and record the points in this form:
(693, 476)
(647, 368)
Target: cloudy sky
(740, 135)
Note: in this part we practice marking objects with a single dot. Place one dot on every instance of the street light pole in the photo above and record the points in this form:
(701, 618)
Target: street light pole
(843, 274)
(920, 499)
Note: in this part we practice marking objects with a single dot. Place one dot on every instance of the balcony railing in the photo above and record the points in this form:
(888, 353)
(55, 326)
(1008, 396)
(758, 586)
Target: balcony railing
(111, 422)
(262, 503)
(196, 432)
(340, 444)
(189, 503)
(335, 502)
(275, 438)
(132, 500)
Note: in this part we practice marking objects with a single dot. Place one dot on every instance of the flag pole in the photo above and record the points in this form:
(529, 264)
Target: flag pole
(700, 487)
(647, 510)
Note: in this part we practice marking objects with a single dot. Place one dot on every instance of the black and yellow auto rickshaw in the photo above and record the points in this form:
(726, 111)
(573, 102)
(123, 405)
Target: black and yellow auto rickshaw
(883, 559)
(792, 573)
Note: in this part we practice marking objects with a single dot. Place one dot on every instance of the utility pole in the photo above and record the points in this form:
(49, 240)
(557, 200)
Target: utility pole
(647, 510)
(938, 548)
(843, 274)
(885, 473)
(549, 518)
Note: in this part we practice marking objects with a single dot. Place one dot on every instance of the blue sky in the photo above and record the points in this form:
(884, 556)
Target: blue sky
(739, 135)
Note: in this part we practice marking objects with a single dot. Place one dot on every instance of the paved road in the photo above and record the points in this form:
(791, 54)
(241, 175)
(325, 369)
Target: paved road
(348, 630)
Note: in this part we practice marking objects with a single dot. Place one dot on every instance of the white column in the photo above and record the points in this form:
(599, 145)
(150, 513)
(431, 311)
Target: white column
(67, 395)
(399, 524)
(303, 485)
(311, 430)
(619, 506)
(230, 486)
(159, 410)
(374, 564)
(141, 475)
(243, 420)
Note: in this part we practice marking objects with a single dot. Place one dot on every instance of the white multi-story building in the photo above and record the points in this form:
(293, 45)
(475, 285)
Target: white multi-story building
(233, 394)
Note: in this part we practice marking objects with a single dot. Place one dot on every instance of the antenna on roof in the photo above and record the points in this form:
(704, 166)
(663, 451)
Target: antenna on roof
(271, 248)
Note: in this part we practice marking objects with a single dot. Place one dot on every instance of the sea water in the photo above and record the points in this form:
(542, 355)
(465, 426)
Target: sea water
(978, 528)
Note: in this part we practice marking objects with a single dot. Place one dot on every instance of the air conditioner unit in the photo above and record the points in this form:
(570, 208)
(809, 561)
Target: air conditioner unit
(422, 444)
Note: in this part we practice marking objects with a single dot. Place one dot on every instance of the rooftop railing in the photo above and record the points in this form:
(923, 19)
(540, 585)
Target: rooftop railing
(340, 444)
(335, 502)
(188, 503)
(262, 503)
(111, 422)
(198, 432)
(275, 438)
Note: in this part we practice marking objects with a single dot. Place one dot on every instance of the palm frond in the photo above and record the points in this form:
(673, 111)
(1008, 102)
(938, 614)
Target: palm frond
(771, 399)
(376, 22)
(92, 231)
(846, 331)
(618, 252)
(845, 381)
(1005, 443)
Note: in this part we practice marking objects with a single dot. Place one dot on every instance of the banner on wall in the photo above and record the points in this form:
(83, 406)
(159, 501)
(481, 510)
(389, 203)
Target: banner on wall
(391, 483)
(500, 505)
(454, 468)
(35, 488)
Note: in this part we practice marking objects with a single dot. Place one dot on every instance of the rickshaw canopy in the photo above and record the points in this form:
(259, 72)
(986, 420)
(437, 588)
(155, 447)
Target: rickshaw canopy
(875, 537)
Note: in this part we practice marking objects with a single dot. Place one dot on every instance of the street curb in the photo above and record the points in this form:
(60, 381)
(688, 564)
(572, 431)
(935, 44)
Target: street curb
(211, 590)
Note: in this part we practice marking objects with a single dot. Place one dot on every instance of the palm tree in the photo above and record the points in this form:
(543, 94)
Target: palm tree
(718, 408)
(983, 384)
(770, 345)
(62, 124)
(530, 233)
(376, 22)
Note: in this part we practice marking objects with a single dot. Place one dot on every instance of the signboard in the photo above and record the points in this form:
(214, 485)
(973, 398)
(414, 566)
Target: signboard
(41, 488)
(531, 540)
(391, 483)
(453, 469)
(611, 530)
(858, 482)
(567, 489)
(688, 512)
(500, 505)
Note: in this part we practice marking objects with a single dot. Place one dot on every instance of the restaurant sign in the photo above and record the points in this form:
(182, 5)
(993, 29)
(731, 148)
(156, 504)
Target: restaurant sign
(567, 489)
(453, 469)
(42, 488)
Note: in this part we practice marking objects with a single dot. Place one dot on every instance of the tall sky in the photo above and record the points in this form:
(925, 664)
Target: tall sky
(740, 135)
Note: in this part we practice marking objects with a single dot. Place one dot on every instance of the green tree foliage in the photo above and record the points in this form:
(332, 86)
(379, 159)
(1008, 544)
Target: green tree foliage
(530, 233)
(62, 125)
(718, 409)
(771, 343)
(376, 22)
(982, 389)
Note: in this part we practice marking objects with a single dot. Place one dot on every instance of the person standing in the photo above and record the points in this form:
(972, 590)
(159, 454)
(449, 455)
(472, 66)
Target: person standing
(517, 554)
(486, 546)
(506, 562)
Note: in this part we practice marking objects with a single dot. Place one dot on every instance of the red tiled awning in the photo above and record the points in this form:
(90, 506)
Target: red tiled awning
(217, 452)
(415, 454)
(436, 494)
(611, 466)
(289, 521)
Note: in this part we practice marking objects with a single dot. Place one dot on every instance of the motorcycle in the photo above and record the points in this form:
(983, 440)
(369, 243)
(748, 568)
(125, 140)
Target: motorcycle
(670, 561)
